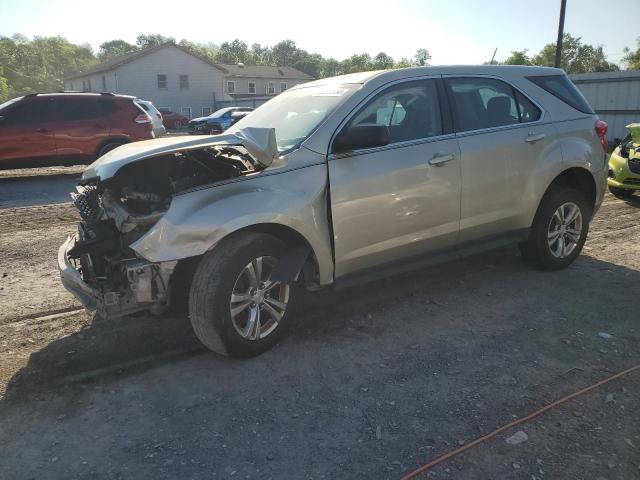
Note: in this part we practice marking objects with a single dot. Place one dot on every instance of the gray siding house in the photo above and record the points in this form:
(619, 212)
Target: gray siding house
(175, 79)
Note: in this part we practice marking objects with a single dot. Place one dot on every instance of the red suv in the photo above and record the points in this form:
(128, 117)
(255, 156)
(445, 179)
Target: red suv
(67, 128)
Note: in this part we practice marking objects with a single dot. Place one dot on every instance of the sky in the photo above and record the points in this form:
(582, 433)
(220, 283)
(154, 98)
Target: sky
(454, 32)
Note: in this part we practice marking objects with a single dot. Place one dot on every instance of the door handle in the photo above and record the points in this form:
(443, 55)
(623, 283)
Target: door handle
(440, 159)
(534, 137)
(43, 130)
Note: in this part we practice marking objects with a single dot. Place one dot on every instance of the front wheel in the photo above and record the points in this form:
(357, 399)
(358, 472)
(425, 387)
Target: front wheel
(559, 229)
(621, 193)
(234, 306)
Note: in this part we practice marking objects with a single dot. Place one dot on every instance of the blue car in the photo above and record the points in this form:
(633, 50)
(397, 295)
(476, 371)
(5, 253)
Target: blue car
(218, 121)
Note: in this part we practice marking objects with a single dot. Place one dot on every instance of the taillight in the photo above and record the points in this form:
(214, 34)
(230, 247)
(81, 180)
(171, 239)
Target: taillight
(601, 130)
(142, 118)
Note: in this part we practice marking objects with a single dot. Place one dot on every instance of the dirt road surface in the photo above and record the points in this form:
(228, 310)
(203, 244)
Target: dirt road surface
(372, 381)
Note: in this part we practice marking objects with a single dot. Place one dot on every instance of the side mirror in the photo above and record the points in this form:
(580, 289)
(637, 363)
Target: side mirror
(362, 136)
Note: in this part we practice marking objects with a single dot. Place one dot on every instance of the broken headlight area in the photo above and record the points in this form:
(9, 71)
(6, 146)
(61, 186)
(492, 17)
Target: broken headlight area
(117, 212)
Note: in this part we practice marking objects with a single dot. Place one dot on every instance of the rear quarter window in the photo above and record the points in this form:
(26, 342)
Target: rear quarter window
(562, 88)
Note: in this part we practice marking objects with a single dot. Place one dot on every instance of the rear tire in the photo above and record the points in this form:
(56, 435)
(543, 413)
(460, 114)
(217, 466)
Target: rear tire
(559, 229)
(107, 147)
(218, 287)
(621, 193)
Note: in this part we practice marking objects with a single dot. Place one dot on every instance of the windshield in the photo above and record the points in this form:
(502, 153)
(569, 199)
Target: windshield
(9, 102)
(296, 113)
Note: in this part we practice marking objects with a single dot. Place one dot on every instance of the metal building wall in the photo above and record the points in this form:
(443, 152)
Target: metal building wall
(615, 96)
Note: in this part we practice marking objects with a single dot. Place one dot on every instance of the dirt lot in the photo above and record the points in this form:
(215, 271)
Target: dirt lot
(372, 382)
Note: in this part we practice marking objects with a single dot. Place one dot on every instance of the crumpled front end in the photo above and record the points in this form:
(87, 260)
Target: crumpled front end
(97, 264)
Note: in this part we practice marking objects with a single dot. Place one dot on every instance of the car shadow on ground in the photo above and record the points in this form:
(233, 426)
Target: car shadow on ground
(482, 290)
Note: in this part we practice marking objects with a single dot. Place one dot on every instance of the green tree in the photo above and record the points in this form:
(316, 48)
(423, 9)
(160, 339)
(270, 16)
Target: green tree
(4, 89)
(114, 48)
(331, 67)
(631, 58)
(152, 40)
(422, 57)
(518, 57)
(234, 52)
(357, 63)
(576, 57)
(382, 61)
(403, 63)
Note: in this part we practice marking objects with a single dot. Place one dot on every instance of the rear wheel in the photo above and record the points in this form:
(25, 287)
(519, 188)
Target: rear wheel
(621, 193)
(559, 229)
(107, 147)
(234, 306)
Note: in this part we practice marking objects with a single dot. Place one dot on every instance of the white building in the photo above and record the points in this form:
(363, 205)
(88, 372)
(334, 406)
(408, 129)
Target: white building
(175, 79)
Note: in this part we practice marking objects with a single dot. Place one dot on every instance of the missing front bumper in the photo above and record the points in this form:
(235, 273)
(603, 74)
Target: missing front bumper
(147, 286)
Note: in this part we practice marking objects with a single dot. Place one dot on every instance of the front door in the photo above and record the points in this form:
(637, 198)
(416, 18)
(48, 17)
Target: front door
(402, 200)
(26, 132)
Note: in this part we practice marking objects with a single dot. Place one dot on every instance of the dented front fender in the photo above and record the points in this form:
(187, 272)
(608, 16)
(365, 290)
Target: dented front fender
(197, 220)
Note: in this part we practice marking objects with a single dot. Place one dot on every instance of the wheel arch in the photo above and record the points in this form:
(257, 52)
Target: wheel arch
(580, 179)
(117, 139)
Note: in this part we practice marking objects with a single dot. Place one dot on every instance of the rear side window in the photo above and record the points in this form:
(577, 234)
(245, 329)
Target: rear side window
(561, 87)
(74, 109)
(106, 107)
(411, 111)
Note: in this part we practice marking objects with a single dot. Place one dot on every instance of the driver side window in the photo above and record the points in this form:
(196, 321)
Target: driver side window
(410, 110)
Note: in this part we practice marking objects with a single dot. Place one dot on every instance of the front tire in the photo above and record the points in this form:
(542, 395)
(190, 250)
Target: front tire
(559, 229)
(621, 193)
(234, 308)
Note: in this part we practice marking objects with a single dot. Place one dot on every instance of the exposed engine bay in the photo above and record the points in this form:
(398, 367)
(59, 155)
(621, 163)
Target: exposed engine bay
(118, 211)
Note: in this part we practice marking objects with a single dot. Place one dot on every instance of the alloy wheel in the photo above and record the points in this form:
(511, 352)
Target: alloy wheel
(565, 230)
(257, 304)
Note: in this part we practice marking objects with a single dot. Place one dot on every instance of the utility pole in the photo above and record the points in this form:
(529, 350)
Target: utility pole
(563, 7)
(494, 56)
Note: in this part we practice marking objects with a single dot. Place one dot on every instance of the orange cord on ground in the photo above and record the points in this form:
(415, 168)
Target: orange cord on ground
(519, 421)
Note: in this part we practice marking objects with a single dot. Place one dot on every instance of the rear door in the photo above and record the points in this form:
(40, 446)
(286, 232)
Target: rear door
(27, 131)
(502, 139)
(389, 203)
(82, 125)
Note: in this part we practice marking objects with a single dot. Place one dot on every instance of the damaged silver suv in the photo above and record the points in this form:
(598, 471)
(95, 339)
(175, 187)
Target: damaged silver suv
(334, 181)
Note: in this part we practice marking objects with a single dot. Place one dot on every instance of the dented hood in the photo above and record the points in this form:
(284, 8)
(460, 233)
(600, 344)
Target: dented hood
(259, 142)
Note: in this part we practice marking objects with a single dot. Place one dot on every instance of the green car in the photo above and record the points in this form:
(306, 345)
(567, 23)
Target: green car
(624, 165)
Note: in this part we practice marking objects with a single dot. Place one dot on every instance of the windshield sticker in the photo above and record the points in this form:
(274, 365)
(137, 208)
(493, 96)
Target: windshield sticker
(330, 92)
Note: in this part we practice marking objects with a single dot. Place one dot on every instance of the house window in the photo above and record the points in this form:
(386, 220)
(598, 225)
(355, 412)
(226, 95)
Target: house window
(252, 87)
(283, 86)
(231, 87)
(186, 111)
(89, 84)
(162, 82)
(184, 82)
(104, 83)
(271, 88)
(206, 111)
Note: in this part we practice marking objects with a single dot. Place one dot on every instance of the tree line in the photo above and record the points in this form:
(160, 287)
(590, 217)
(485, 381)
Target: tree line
(41, 64)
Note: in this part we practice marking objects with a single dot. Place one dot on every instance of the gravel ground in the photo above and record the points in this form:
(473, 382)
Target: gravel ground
(372, 382)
